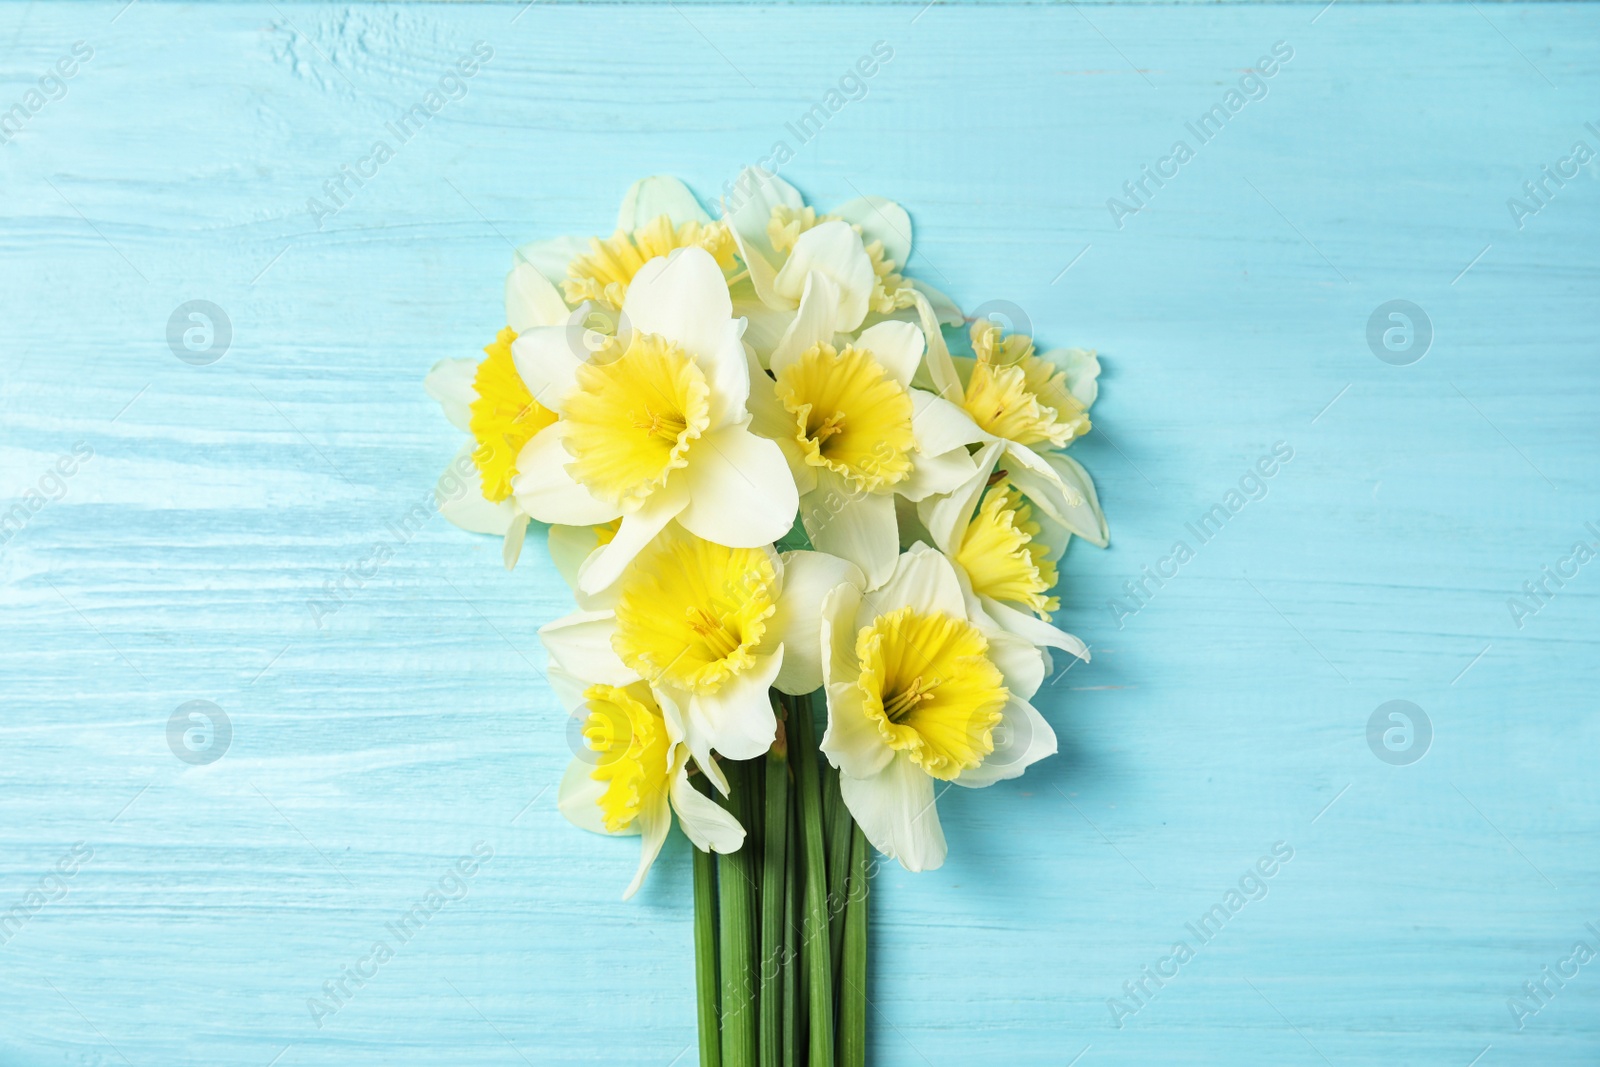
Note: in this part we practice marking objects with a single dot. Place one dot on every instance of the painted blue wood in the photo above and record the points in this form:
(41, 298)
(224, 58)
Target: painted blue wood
(193, 909)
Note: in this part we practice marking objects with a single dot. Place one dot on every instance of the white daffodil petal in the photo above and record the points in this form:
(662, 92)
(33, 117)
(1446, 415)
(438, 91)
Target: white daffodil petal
(737, 719)
(450, 383)
(654, 820)
(684, 298)
(740, 491)
(1022, 739)
(880, 220)
(941, 368)
(545, 490)
(835, 250)
(461, 501)
(808, 578)
(649, 198)
(897, 346)
(763, 276)
(728, 375)
(840, 609)
(569, 547)
(547, 359)
(580, 645)
(946, 517)
(859, 527)
(764, 326)
(932, 475)
(1023, 664)
(1055, 498)
(578, 798)
(771, 420)
(768, 417)
(1084, 518)
(814, 323)
(922, 580)
(532, 300)
(944, 309)
(569, 690)
(1063, 492)
(895, 809)
(1082, 368)
(516, 533)
(550, 257)
(1052, 535)
(707, 824)
(852, 742)
(606, 564)
(1032, 629)
(697, 735)
(940, 425)
(749, 206)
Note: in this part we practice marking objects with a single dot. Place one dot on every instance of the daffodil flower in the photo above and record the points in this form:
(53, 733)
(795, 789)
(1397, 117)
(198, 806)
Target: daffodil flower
(653, 425)
(1004, 553)
(710, 629)
(658, 216)
(1031, 405)
(633, 774)
(920, 691)
(844, 412)
(861, 247)
(488, 399)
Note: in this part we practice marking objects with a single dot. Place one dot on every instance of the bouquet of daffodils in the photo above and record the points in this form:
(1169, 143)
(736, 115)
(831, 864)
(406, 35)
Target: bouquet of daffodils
(786, 501)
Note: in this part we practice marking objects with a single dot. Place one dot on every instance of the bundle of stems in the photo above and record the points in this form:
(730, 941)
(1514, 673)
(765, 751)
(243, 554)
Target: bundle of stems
(780, 926)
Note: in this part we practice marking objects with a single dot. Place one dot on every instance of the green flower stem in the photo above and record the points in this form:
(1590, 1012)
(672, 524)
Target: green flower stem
(736, 905)
(839, 826)
(794, 1022)
(774, 842)
(853, 977)
(797, 1023)
(817, 951)
(705, 956)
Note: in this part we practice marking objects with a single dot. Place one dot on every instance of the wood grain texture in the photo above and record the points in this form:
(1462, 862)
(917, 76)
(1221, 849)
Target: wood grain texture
(1227, 714)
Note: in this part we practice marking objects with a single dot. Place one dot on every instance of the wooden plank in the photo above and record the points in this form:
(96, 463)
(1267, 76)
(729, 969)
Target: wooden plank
(182, 561)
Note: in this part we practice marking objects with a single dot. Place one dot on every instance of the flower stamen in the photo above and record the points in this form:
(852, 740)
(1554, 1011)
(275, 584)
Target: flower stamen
(897, 706)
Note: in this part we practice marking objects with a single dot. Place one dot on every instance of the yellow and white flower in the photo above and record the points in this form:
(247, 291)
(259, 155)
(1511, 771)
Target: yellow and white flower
(1031, 405)
(921, 691)
(659, 215)
(653, 425)
(1004, 552)
(853, 429)
(710, 629)
(489, 400)
(860, 246)
(633, 774)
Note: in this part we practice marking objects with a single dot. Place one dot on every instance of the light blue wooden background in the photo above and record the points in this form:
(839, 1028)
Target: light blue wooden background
(1228, 714)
